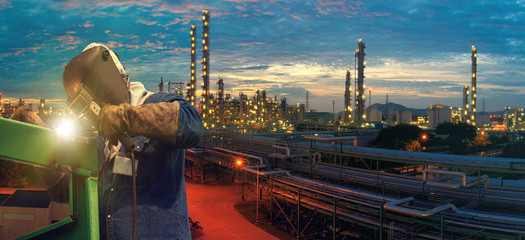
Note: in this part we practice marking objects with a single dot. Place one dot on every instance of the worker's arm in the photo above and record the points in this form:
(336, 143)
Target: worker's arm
(176, 122)
(24, 114)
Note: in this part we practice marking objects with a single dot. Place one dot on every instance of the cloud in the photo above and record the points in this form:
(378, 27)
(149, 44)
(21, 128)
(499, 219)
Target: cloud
(241, 8)
(159, 35)
(149, 23)
(88, 24)
(154, 45)
(5, 4)
(67, 42)
(129, 36)
(19, 51)
(184, 20)
(243, 1)
(180, 8)
(417, 51)
(247, 68)
(113, 44)
(327, 7)
(67, 5)
(249, 44)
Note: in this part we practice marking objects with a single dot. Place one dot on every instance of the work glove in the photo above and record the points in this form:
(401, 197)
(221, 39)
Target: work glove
(112, 121)
(24, 114)
(158, 121)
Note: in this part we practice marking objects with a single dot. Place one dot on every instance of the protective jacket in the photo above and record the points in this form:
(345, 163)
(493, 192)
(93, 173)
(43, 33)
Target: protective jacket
(162, 211)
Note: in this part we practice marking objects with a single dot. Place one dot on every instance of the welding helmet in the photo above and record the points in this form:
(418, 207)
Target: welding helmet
(98, 72)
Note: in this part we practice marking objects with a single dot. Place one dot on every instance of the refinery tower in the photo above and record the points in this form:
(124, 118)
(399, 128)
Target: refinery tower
(360, 115)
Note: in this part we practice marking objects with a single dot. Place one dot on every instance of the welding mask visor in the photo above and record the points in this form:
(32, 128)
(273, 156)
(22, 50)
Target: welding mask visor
(97, 72)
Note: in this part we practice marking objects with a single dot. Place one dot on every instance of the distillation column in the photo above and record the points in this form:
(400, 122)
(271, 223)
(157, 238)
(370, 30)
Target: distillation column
(206, 108)
(220, 82)
(348, 98)
(190, 95)
(284, 109)
(464, 111)
(360, 99)
(473, 96)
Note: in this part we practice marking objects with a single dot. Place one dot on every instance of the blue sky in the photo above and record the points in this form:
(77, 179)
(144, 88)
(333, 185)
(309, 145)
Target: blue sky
(416, 51)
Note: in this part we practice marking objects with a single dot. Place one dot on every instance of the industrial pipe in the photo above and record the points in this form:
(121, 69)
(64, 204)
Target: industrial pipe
(393, 206)
(264, 173)
(261, 160)
(463, 179)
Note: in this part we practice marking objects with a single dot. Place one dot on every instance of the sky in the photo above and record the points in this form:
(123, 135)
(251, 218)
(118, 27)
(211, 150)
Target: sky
(417, 51)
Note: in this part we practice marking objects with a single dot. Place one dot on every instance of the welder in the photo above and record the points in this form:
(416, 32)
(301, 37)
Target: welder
(161, 127)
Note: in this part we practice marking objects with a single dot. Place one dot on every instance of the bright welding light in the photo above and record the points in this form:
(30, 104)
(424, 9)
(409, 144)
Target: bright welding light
(66, 128)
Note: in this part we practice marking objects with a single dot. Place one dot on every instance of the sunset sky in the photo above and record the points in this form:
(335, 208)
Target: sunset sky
(416, 51)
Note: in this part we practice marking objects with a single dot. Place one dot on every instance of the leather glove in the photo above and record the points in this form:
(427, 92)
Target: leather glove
(112, 121)
(23, 114)
(158, 121)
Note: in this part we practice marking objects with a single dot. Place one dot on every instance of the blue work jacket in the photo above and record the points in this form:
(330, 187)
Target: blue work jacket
(162, 210)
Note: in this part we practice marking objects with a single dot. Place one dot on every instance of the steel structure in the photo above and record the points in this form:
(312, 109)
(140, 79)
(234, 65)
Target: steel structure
(40, 147)
(220, 101)
(383, 204)
(464, 111)
(206, 104)
(307, 102)
(191, 95)
(161, 85)
(348, 98)
(360, 115)
(473, 88)
(284, 109)
(178, 90)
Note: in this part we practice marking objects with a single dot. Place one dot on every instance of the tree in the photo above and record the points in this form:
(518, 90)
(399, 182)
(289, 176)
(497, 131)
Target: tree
(459, 130)
(459, 135)
(397, 137)
(515, 149)
(413, 146)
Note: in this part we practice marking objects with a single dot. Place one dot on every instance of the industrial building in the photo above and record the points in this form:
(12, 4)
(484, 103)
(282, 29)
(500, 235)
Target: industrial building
(374, 115)
(438, 114)
(403, 117)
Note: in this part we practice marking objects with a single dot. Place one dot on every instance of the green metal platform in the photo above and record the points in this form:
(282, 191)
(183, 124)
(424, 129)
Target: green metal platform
(41, 147)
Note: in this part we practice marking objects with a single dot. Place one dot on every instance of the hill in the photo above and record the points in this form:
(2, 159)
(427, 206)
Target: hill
(393, 107)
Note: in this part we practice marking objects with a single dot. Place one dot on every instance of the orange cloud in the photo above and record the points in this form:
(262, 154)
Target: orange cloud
(154, 45)
(88, 24)
(149, 23)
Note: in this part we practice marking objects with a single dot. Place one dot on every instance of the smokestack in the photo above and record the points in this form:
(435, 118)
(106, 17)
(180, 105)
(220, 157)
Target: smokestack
(190, 95)
(206, 109)
(464, 111)
(348, 98)
(473, 96)
(360, 99)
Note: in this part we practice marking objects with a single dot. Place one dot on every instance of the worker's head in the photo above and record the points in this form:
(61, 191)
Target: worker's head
(98, 70)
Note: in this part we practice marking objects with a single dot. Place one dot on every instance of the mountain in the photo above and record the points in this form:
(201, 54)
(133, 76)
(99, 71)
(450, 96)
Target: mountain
(393, 107)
